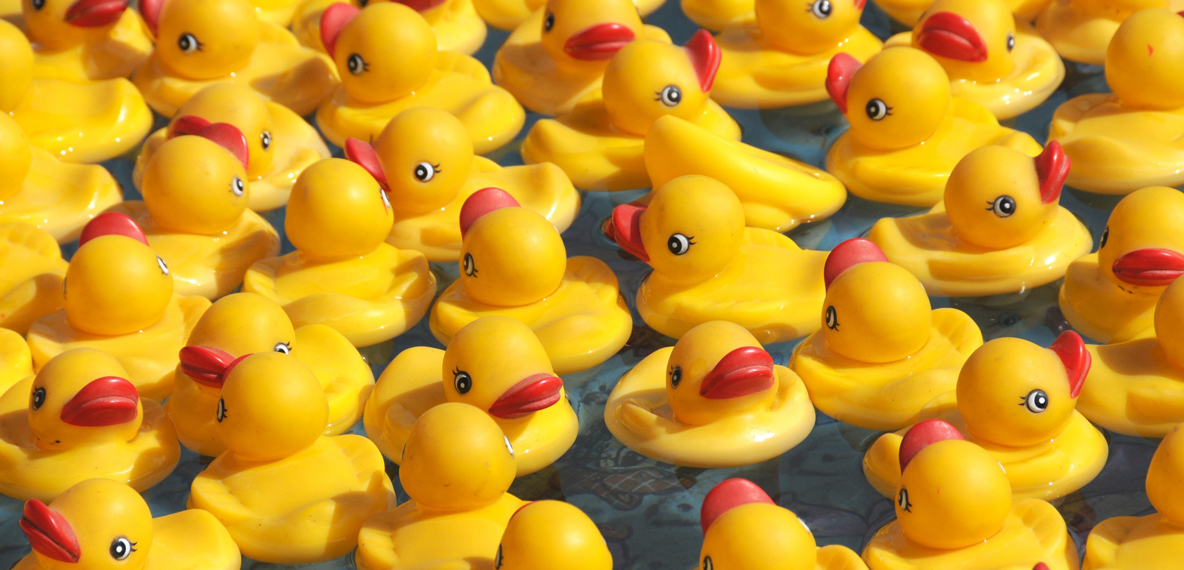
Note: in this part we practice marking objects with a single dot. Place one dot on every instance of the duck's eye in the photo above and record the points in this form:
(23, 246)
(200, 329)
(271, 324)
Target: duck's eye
(903, 500)
(363, 3)
(469, 266)
(188, 43)
(679, 244)
(497, 560)
(386, 201)
(283, 347)
(38, 4)
(832, 318)
(237, 186)
(707, 564)
(675, 376)
(670, 96)
(462, 381)
(509, 446)
(821, 8)
(356, 64)
(163, 267)
(426, 171)
(548, 22)
(221, 415)
(1036, 401)
(1010, 42)
(877, 109)
(121, 548)
(1003, 206)
(1105, 236)
(38, 398)
(266, 137)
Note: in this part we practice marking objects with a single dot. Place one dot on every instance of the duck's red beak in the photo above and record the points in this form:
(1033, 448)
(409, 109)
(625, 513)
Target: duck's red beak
(207, 365)
(1052, 168)
(739, 373)
(95, 13)
(108, 401)
(839, 72)
(421, 5)
(1070, 348)
(1151, 267)
(49, 533)
(951, 36)
(537, 392)
(362, 153)
(627, 229)
(599, 42)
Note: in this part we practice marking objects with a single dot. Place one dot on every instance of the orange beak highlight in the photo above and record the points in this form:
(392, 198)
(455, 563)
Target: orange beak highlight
(49, 533)
(742, 372)
(537, 392)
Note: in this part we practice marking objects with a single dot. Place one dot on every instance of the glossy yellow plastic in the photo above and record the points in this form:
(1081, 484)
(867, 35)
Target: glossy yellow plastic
(235, 47)
(909, 12)
(511, 14)
(41, 455)
(763, 536)
(1082, 29)
(716, 15)
(908, 131)
(100, 513)
(882, 352)
(973, 246)
(281, 143)
(88, 49)
(430, 169)
(781, 58)
(457, 467)
(16, 362)
(514, 264)
(246, 323)
(1125, 140)
(31, 273)
(456, 23)
(494, 355)
(342, 274)
(662, 408)
(550, 535)
(1047, 453)
(395, 66)
(1094, 299)
(551, 69)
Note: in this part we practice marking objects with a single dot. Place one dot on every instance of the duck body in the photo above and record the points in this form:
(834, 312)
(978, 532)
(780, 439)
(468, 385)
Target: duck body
(511, 14)
(456, 23)
(31, 276)
(717, 15)
(16, 362)
(552, 535)
(58, 197)
(109, 46)
(909, 12)
(1082, 29)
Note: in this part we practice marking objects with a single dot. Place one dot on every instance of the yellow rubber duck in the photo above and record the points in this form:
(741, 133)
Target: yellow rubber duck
(954, 509)
(85, 40)
(31, 273)
(778, 193)
(558, 55)
(199, 43)
(781, 58)
(287, 493)
(1150, 542)
(342, 273)
(744, 529)
(514, 264)
(991, 61)
(494, 363)
(80, 418)
(245, 323)
(1015, 400)
(883, 352)
(99, 524)
(1081, 29)
(512, 14)
(1001, 228)
(456, 23)
(600, 143)
(709, 267)
(552, 535)
(387, 57)
(716, 15)
(119, 299)
(909, 12)
(425, 162)
(907, 131)
(1110, 295)
(282, 144)
(456, 467)
(75, 121)
(1126, 140)
(16, 362)
(714, 399)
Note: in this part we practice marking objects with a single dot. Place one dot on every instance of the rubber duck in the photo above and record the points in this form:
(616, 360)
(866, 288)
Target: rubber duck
(245, 323)
(119, 299)
(494, 363)
(81, 418)
(1001, 228)
(75, 121)
(781, 58)
(387, 57)
(456, 467)
(907, 131)
(1046, 446)
(433, 169)
(1110, 295)
(456, 23)
(31, 273)
(744, 529)
(600, 143)
(514, 264)
(558, 55)
(954, 508)
(281, 143)
(100, 523)
(1082, 29)
(714, 399)
(909, 12)
(1125, 140)
(716, 15)
(511, 14)
(883, 352)
(16, 362)
(778, 193)
(1149, 542)
(199, 43)
(552, 535)
(85, 40)
(709, 267)
(342, 273)
(991, 61)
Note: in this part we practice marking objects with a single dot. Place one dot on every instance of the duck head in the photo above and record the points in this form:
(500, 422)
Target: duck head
(337, 211)
(578, 34)
(271, 406)
(422, 159)
(875, 311)
(971, 39)
(234, 326)
(383, 52)
(552, 534)
(97, 524)
(998, 197)
(649, 79)
(716, 369)
(1142, 58)
(16, 67)
(1165, 475)
(16, 156)
(744, 528)
(237, 105)
(196, 182)
(1142, 247)
(202, 39)
(457, 459)
(1169, 318)
(81, 396)
(115, 283)
(823, 26)
(60, 24)
(509, 256)
(898, 99)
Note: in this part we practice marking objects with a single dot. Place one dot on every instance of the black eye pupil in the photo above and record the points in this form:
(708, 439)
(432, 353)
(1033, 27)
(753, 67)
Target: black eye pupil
(38, 4)
(822, 8)
(497, 563)
(1004, 206)
(266, 140)
(221, 410)
(707, 564)
(678, 244)
(1037, 401)
(676, 376)
(1105, 236)
(38, 398)
(464, 382)
(876, 109)
(549, 22)
(832, 318)
(469, 265)
(356, 64)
